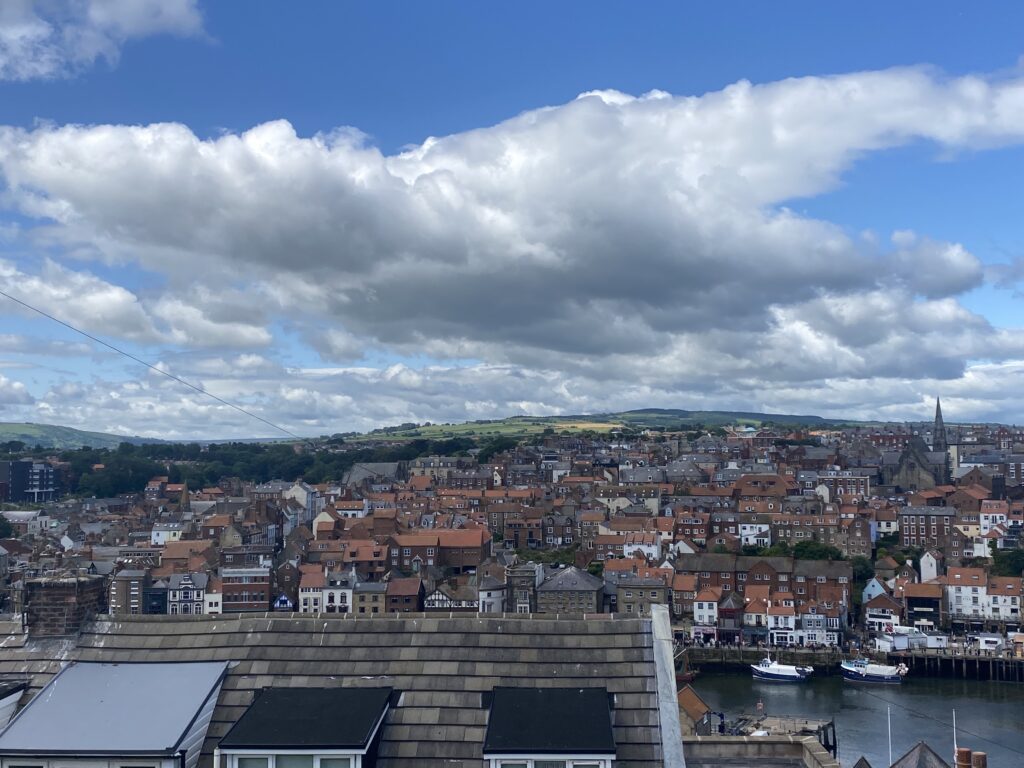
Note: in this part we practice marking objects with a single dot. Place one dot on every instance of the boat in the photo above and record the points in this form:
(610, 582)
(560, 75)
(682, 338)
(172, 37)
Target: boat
(864, 671)
(687, 677)
(767, 669)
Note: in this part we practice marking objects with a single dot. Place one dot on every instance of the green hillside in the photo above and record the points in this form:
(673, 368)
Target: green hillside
(53, 436)
(522, 426)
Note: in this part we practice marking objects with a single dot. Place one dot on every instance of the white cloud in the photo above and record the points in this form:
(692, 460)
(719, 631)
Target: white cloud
(81, 299)
(57, 38)
(13, 393)
(576, 250)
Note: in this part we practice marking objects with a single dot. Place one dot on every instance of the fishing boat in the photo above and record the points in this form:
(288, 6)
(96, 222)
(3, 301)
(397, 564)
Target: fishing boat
(767, 669)
(864, 671)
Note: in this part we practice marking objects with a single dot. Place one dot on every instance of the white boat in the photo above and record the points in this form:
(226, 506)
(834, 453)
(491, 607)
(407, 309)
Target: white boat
(864, 671)
(767, 669)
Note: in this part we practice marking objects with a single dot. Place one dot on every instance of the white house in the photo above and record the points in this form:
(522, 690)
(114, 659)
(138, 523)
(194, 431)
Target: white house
(782, 623)
(492, 595)
(647, 543)
(931, 566)
(165, 532)
(967, 593)
(705, 612)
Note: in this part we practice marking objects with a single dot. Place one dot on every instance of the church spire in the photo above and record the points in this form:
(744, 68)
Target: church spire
(939, 430)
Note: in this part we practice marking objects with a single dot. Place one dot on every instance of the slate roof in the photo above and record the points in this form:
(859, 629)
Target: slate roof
(301, 718)
(88, 702)
(441, 664)
(920, 756)
(564, 721)
(571, 579)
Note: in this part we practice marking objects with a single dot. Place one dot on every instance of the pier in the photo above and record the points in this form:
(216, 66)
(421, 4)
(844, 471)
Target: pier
(983, 665)
(945, 663)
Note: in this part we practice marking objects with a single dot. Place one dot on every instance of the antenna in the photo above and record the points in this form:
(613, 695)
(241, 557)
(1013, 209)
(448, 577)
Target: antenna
(954, 735)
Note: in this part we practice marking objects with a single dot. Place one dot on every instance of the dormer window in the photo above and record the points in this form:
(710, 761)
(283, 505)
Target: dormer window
(308, 728)
(550, 728)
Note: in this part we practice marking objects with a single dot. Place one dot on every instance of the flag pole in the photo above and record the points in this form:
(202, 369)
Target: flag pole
(888, 715)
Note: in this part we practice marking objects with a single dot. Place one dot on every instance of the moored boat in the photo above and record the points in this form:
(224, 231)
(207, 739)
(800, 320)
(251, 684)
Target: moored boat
(767, 669)
(864, 671)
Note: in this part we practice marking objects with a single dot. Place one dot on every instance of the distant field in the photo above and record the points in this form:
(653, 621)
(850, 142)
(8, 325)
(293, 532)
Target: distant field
(525, 426)
(514, 426)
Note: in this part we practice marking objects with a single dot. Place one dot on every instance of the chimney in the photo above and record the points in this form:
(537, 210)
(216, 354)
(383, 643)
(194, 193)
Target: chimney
(979, 760)
(58, 606)
(963, 757)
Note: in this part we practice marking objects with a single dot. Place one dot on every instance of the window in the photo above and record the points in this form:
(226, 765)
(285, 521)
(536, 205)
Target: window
(252, 762)
(293, 761)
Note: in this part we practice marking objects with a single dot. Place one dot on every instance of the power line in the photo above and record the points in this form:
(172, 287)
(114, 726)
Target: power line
(130, 356)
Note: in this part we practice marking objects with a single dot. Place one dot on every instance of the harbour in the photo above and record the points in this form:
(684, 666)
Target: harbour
(987, 712)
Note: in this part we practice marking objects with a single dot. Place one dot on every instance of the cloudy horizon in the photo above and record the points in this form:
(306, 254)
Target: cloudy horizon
(710, 250)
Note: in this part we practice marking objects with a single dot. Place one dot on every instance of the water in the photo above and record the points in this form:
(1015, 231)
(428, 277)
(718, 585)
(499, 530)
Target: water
(989, 715)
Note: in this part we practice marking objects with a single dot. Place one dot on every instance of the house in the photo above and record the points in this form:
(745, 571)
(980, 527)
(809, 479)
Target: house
(570, 590)
(369, 597)
(85, 700)
(449, 671)
(782, 623)
(882, 613)
(924, 606)
(453, 599)
(186, 593)
(246, 589)
(873, 589)
(705, 614)
(684, 590)
(931, 565)
(636, 594)
(405, 595)
(491, 595)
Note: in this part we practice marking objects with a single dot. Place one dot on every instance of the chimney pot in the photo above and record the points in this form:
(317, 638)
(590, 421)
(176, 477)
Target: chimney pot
(963, 757)
(979, 760)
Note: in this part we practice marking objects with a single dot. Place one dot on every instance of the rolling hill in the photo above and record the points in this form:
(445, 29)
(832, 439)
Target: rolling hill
(54, 436)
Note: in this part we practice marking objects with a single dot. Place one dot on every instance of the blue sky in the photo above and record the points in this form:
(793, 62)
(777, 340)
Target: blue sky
(305, 337)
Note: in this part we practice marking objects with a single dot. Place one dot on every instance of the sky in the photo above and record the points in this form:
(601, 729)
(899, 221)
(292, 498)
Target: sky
(340, 216)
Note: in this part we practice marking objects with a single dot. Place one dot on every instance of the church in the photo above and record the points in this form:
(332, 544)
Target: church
(919, 466)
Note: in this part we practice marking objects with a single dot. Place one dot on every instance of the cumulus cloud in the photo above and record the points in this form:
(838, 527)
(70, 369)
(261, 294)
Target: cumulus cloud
(575, 249)
(13, 393)
(57, 38)
(81, 299)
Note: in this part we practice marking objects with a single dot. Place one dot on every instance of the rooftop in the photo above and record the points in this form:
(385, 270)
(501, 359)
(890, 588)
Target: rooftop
(442, 664)
(90, 704)
(300, 718)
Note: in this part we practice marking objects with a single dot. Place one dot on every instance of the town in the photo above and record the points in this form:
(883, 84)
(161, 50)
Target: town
(899, 537)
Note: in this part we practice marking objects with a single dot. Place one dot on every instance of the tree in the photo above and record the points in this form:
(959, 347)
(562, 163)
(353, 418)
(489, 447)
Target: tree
(779, 549)
(1008, 562)
(6, 529)
(813, 550)
(496, 446)
(863, 569)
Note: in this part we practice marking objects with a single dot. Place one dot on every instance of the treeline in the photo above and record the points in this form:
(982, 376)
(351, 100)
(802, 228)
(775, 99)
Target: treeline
(128, 468)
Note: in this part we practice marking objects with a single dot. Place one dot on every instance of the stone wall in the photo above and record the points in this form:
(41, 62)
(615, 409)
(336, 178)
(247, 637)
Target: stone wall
(59, 606)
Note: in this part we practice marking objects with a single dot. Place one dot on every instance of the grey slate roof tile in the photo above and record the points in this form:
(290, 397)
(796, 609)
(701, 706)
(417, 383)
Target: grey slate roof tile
(441, 665)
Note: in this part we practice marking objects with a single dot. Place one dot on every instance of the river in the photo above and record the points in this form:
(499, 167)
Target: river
(989, 716)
